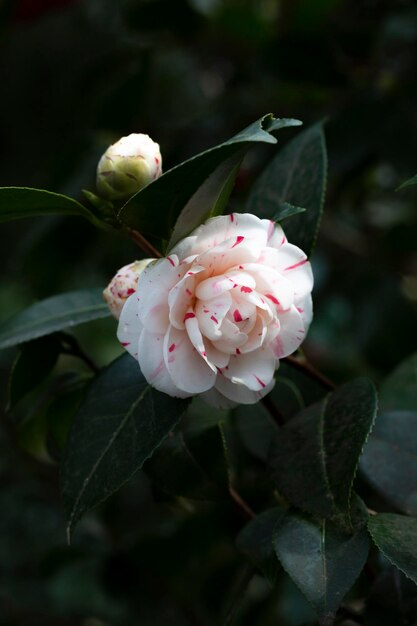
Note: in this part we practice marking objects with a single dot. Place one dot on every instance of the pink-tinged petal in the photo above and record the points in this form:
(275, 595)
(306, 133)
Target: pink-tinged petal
(231, 338)
(152, 364)
(291, 335)
(229, 254)
(305, 308)
(294, 265)
(211, 314)
(181, 297)
(256, 336)
(214, 287)
(187, 369)
(239, 393)
(130, 327)
(217, 358)
(241, 310)
(254, 369)
(278, 237)
(273, 285)
(196, 338)
(154, 284)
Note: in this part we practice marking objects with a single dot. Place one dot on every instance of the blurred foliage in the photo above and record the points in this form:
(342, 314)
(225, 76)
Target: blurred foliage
(75, 76)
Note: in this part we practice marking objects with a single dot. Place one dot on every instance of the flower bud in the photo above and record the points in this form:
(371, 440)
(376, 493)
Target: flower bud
(127, 166)
(123, 285)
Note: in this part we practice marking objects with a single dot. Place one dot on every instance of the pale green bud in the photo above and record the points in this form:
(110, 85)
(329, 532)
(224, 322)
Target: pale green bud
(127, 166)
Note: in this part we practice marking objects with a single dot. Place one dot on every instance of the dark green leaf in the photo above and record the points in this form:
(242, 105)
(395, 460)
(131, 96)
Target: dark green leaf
(55, 313)
(392, 600)
(154, 210)
(34, 363)
(399, 389)
(408, 183)
(323, 561)
(315, 456)
(396, 537)
(389, 461)
(18, 202)
(297, 176)
(285, 210)
(256, 427)
(256, 541)
(119, 425)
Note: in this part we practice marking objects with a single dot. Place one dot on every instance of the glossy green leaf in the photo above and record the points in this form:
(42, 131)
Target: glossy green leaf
(285, 210)
(408, 183)
(389, 461)
(256, 541)
(55, 313)
(19, 202)
(119, 425)
(323, 561)
(399, 389)
(392, 600)
(396, 537)
(297, 176)
(33, 364)
(315, 456)
(155, 209)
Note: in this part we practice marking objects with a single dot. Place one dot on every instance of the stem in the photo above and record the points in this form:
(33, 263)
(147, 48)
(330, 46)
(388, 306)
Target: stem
(243, 506)
(143, 243)
(275, 413)
(309, 370)
(74, 349)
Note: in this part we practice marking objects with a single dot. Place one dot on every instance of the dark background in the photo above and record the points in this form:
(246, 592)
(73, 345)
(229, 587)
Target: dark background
(77, 75)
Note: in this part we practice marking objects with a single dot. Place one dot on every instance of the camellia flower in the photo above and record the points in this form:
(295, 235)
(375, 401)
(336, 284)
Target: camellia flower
(123, 285)
(217, 314)
(127, 166)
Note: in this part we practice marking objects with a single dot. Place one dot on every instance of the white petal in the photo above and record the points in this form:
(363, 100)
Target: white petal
(130, 326)
(196, 338)
(256, 336)
(184, 248)
(152, 364)
(188, 370)
(231, 338)
(154, 285)
(211, 314)
(305, 309)
(270, 283)
(239, 393)
(230, 253)
(278, 237)
(254, 369)
(219, 359)
(291, 335)
(294, 265)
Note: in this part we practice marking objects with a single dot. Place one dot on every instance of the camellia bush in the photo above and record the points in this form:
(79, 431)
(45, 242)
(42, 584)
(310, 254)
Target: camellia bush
(213, 385)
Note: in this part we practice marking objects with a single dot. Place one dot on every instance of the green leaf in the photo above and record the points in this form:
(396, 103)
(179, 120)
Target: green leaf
(399, 389)
(389, 461)
(18, 202)
(396, 537)
(285, 210)
(315, 456)
(120, 424)
(256, 541)
(55, 313)
(155, 209)
(297, 176)
(32, 366)
(408, 183)
(392, 600)
(323, 561)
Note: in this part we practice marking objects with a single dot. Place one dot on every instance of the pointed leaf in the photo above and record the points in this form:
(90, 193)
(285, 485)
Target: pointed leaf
(119, 425)
(297, 175)
(323, 561)
(396, 537)
(285, 210)
(55, 313)
(315, 456)
(154, 210)
(389, 461)
(19, 202)
(408, 183)
(399, 389)
(256, 541)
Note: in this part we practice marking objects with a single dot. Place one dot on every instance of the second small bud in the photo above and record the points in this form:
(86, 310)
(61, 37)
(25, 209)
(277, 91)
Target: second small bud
(127, 166)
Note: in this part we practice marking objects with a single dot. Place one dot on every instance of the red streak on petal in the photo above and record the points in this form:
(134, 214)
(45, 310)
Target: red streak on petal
(125, 343)
(238, 351)
(157, 160)
(283, 240)
(130, 291)
(271, 297)
(171, 347)
(300, 310)
(241, 267)
(189, 292)
(237, 316)
(171, 261)
(244, 289)
(261, 382)
(204, 353)
(189, 316)
(239, 240)
(232, 217)
(206, 310)
(293, 267)
(215, 320)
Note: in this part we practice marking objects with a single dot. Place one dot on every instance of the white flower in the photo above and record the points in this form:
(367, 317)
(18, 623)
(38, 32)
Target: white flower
(127, 166)
(123, 285)
(217, 314)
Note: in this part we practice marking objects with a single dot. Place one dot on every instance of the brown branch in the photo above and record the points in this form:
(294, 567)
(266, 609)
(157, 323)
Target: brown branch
(309, 370)
(243, 506)
(143, 243)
